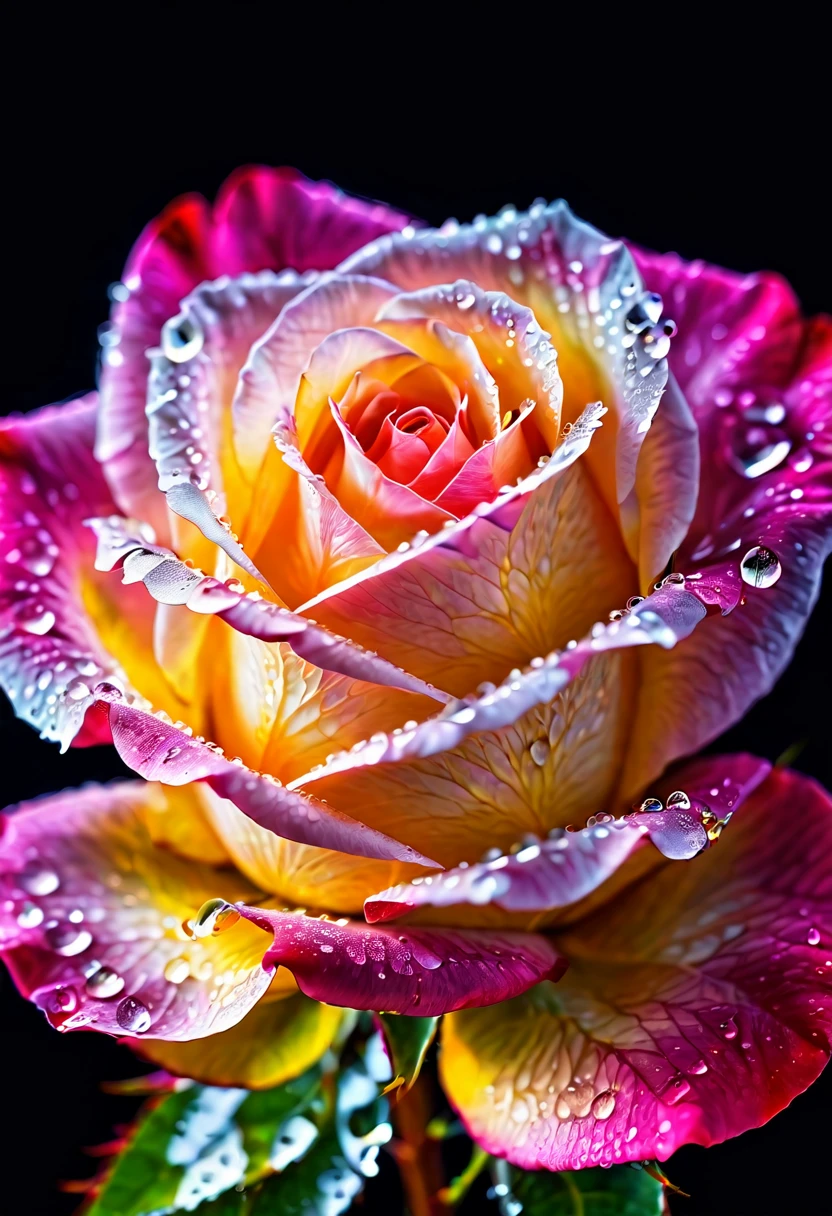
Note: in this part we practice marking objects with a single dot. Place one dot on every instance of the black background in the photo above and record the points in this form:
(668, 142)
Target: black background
(103, 131)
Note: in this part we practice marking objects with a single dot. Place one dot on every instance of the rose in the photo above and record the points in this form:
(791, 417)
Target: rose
(432, 510)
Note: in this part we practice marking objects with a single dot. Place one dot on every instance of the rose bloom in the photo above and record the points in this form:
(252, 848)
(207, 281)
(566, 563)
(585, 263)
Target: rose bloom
(438, 548)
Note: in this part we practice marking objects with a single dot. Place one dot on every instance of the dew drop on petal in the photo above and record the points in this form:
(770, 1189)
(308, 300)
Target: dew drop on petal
(38, 880)
(760, 567)
(132, 1015)
(214, 916)
(813, 937)
(30, 916)
(177, 970)
(604, 1104)
(182, 338)
(68, 939)
(104, 983)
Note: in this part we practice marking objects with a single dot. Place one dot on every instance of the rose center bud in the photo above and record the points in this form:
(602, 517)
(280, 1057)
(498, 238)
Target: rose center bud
(398, 431)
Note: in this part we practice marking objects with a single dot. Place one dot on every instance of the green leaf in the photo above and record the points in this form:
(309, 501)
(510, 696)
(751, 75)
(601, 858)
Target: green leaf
(619, 1191)
(198, 1144)
(321, 1184)
(408, 1040)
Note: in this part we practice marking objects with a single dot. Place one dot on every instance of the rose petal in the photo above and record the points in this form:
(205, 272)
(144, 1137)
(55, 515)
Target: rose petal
(264, 219)
(584, 289)
(694, 1008)
(160, 751)
(497, 588)
(541, 875)
(421, 972)
(277, 1041)
(61, 631)
(171, 581)
(764, 424)
(273, 371)
(91, 921)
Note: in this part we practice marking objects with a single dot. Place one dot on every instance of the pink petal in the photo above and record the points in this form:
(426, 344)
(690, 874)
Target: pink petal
(761, 393)
(420, 972)
(50, 654)
(264, 219)
(90, 913)
(500, 462)
(158, 750)
(541, 875)
(695, 1007)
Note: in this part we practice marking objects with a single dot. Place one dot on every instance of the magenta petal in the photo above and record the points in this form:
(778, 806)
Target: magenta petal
(763, 523)
(160, 751)
(696, 1005)
(90, 921)
(263, 219)
(424, 972)
(50, 656)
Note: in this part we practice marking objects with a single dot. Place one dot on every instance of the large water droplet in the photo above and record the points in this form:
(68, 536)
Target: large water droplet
(757, 450)
(177, 970)
(36, 619)
(132, 1015)
(539, 751)
(728, 1028)
(38, 880)
(813, 937)
(182, 338)
(214, 916)
(104, 983)
(30, 916)
(604, 1104)
(677, 1090)
(68, 939)
(760, 567)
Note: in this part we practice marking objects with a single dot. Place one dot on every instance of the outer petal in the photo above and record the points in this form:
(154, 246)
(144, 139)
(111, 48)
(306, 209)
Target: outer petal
(420, 972)
(497, 588)
(694, 1008)
(549, 874)
(264, 219)
(585, 290)
(155, 749)
(276, 1041)
(765, 421)
(172, 582)
(61, 628)
(91, 921)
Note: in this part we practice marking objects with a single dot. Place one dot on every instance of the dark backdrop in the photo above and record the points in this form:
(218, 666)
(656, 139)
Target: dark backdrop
(98, 140)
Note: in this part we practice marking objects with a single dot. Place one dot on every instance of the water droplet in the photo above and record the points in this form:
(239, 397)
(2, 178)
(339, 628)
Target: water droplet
(36, 619)
(698, 1068)
(813, 937)
(132, 1015)
(679, 799)
(64, 1000)
(677, 1090)
(30, 916)
(631, 1134)
(539, 751)
(182, 338)
(651, 805)
(38, 880)
(104, 983)
(760, 567)
(604, 1104)
(214, 916)
(644, 314)
(729, 1028)
(177, 970)
(68, 939)
(665, 1126)
(757, 450)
